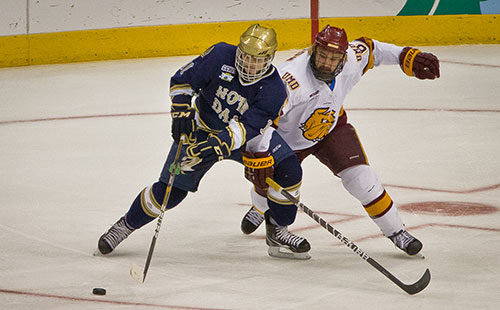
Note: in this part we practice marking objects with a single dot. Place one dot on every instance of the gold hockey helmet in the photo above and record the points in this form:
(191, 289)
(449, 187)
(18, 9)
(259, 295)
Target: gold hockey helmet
(255, 52)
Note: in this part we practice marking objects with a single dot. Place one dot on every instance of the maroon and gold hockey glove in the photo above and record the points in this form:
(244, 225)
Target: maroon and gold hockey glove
(422, 65)
(258, 166)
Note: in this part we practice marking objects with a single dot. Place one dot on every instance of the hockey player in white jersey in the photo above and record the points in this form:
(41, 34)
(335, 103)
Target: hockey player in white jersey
(318, 80)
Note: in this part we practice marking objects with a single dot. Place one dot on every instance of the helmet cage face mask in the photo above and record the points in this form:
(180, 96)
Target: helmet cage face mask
(251, 68)
(255, 52)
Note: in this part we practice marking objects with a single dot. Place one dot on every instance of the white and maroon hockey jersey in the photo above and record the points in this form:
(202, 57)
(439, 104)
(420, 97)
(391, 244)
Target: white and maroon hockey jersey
(314, 107)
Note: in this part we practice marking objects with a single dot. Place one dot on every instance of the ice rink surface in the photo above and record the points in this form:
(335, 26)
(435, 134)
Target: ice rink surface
(79, 141)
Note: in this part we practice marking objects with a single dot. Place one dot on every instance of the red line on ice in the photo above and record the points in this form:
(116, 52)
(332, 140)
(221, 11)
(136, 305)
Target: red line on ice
(104, 301)
(65, 118)
(465, 191)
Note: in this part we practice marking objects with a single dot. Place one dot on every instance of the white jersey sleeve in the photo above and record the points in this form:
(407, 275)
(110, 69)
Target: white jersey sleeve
(372, 53)
(385, 53)
(314, 107)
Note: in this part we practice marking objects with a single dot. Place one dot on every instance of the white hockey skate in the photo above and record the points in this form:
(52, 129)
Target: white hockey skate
(284, 244)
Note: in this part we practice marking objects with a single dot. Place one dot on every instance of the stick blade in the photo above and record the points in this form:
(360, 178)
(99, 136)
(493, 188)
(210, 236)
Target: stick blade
(420, 285)
(137, 273)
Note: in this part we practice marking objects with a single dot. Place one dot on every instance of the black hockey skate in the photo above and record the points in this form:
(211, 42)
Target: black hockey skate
(116, 234)
(406, 242)
(283, 243)
(251, 221)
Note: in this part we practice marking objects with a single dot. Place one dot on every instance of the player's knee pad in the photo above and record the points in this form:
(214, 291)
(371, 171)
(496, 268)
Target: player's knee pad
(152, 198)
(288, 174)
(362, 182)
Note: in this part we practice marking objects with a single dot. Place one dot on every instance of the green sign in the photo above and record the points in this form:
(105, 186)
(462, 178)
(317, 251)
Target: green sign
(450, 7)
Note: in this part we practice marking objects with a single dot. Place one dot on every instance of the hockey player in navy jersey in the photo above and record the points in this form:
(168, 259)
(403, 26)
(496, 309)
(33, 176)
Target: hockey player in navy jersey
(314, 122)
(238, 94)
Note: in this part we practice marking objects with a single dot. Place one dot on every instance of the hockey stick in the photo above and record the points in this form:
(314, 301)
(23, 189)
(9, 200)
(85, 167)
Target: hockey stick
(135, 271)
(409, 288)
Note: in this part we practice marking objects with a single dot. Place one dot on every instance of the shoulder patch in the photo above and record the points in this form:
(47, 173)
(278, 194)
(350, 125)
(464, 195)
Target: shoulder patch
(228, 77)
(228, 69)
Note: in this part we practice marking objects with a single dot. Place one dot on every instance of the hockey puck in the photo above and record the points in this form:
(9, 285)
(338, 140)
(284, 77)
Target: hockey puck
(99, 291)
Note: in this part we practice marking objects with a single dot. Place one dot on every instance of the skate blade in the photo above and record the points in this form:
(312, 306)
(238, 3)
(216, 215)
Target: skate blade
(137, 273)
(286, 253)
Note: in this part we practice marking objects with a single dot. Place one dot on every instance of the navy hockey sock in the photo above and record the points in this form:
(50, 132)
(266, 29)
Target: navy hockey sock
(146, 206)
(287, 173)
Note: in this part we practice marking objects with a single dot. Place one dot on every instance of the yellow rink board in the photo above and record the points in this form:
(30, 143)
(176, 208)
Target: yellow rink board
(192, 39)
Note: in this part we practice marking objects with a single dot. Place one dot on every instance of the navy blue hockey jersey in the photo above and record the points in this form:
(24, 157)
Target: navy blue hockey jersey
(227, 106)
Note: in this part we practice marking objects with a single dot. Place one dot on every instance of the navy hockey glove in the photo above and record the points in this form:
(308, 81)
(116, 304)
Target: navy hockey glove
(422, 65)
(205, 153)
(258, 166)
(183, 122)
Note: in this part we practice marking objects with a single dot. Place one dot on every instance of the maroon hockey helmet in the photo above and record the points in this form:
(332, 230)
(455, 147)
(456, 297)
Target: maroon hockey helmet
(331, 39)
